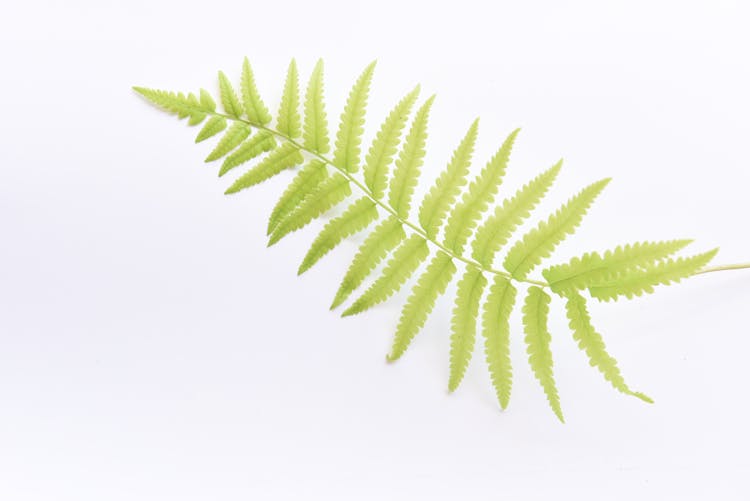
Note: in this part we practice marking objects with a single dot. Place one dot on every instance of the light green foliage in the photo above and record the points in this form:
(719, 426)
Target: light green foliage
(289, 122)
(383, 239)
(351, 126)
(542, 240)
(496, 332)
(592, 343)
(477, 198)
(303, 184)
(537, 338)
(402, 265)
(358, 216)
(385, 145)
(284, 157)
(243, 134)
(409, 161)
(592, 268)
(464, 323)
(448, 185)
(316, 123)
(430, 286)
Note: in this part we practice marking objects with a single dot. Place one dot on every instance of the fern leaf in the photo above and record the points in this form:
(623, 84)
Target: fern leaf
(257, 145)
(316, 123)
(289, 122)
(402, 265)
(235, 134)
(495, 232)
(229, 100)
(539, 243)
(592, 343)
(409, 161)
(254, 108)
(358, 216)
(176, 103)
(383, 239)
(303, 184)
(284, 157)
(464, 323)
(447, 186)
(591, 268)
(496, 332)
(535, 312)
(213, 126)
(329, 193)
(636, 282)
(207, 102)
(385, 145)
(351, 127)
(482, 190)
(430, 286)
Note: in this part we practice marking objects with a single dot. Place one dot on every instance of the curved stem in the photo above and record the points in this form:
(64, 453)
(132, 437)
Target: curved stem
(724, 267)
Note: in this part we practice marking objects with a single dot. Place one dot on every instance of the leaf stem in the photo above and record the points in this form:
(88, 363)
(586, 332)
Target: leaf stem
(724, 267)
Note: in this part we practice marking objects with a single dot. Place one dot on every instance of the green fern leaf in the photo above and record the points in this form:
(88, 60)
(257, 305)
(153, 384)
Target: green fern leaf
(385, 145)
(464, 323)
(176, 103)
(535, 312)
(284, 157)
(232, 138)
(213, 126)
(255, 110)
(498, 228)
(592, 343)
(409, 161)
(229, 99)
(405, 261)
(289, 122)
(303, 184)
(358, 216)
(482, 190)
(351, 127)
(430, 286)
(542, 240)
(383, 239)
(253, 147)
(316, 123)
(591, 268)
(448, 185)
(332, 191)
(637, 282)
(207, 102)
(496, 332)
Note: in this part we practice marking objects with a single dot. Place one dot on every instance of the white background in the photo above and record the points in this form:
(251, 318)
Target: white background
(152, 348)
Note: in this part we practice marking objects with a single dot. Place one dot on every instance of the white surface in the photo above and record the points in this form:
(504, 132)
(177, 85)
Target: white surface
(152, 348)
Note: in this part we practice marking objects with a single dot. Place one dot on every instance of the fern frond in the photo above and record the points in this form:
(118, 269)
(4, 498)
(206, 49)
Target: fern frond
(592, 268)
(316, 123)
(358, 216)
(430, 286)
(635, 283)
(303, 184)
(464, 323)
(235, 134)
(255, 110)
(251, 148)
(213, 126)
(383, 239)
(535, 312)
(592, 344)
(289, 122)
(448, 185)
(385, 145)
(351, 126)
(482, 190)
(539, 243)
(284, 157)
(402, 265)
(496, 332)
(229, 100)
(177, 103)
(409, 161)
(332, 191)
